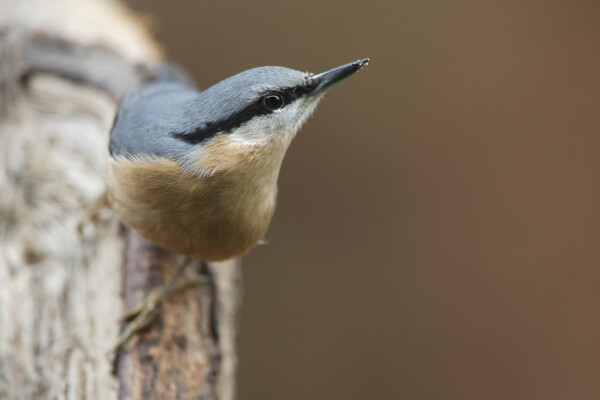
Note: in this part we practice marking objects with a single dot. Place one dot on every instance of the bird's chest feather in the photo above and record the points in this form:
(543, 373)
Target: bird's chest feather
(217, 214)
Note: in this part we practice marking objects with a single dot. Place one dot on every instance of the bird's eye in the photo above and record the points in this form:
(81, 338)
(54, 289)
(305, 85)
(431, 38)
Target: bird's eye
(272, 101)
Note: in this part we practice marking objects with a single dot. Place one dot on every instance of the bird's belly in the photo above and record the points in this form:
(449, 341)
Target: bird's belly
(212, 219)
(218, 237)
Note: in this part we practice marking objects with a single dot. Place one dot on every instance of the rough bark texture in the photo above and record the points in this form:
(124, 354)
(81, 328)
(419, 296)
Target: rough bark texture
(181, 357)
(63, 65)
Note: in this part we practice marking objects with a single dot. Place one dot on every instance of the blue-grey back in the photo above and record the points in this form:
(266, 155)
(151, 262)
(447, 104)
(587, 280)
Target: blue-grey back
(148, 115)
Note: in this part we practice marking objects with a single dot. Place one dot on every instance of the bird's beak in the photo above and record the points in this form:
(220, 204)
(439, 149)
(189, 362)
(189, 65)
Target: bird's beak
(326, 80)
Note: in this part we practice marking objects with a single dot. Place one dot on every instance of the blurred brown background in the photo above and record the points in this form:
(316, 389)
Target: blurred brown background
(437, 229)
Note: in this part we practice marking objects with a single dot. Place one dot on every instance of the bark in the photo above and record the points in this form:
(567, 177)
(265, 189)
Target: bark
(66, 263)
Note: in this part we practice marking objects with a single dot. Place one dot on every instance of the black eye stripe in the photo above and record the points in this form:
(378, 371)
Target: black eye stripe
(210, 129)
(292, 93)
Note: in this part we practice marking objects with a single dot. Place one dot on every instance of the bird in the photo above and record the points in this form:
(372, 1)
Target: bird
(195, 172)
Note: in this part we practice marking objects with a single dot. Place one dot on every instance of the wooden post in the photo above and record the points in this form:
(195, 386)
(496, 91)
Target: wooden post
(66, 263)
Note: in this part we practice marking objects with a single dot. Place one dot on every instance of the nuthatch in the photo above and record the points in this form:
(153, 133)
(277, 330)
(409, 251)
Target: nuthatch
(196, 172)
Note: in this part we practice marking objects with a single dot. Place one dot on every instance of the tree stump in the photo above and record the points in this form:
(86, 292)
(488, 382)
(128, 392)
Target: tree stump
(67, 265)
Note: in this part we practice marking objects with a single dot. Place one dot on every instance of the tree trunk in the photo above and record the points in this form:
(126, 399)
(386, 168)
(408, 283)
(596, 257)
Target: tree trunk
(66, 264)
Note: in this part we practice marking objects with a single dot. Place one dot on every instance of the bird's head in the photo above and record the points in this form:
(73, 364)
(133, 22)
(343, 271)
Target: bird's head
(258, 104)
(259, 107)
